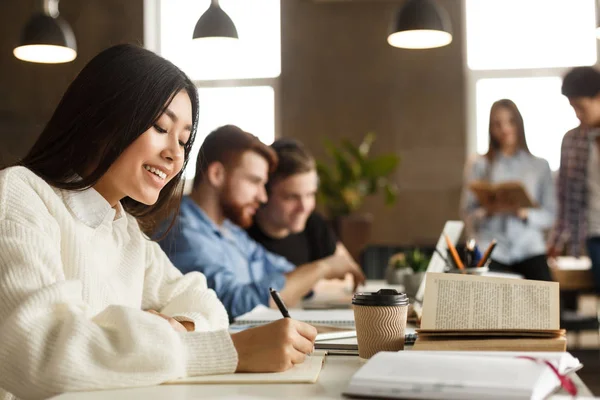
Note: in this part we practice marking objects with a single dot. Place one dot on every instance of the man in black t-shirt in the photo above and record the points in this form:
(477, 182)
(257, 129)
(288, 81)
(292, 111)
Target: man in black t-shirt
(287, 224)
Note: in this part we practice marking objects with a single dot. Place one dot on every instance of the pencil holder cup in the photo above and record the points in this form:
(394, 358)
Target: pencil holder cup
(380, 320)
(471, 271)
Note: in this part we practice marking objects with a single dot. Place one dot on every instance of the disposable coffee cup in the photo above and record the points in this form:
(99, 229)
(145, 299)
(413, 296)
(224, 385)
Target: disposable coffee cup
(380, 319)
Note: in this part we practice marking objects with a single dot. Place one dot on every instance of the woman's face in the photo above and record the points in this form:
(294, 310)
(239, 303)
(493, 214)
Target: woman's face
(153, 159)
(504, 128)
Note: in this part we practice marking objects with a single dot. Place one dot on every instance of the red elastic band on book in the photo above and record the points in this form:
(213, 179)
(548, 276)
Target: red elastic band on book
(565, 382)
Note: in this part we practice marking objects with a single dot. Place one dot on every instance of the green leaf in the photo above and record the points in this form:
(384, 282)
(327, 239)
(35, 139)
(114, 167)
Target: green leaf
(352, 175)
(390, 192)
(359, 160)
(365, 146)
(372, 186)
(382, 165)
(344, 167)
(353, 150)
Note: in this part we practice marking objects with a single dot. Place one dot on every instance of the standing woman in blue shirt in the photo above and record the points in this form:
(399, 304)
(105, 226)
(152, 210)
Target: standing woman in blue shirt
(520, 232)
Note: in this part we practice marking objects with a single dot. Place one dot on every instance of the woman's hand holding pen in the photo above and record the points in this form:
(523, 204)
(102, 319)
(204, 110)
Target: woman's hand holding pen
(274, 347)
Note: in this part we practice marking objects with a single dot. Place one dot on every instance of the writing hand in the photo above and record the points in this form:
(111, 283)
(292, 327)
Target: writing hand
(274, 347)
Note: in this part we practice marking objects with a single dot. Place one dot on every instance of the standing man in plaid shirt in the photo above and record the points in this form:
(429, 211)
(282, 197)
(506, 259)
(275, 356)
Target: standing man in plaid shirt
(578, 185)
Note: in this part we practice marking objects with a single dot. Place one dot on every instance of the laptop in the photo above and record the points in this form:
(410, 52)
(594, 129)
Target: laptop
(437, 264)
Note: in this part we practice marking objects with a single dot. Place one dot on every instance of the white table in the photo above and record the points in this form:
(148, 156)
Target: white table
(333, 380)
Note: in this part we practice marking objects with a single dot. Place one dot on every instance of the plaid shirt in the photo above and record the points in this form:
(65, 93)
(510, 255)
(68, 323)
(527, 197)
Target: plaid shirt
(570, 230)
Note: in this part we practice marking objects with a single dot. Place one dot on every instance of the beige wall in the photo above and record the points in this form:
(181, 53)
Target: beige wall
(29, 92)
(340, 78)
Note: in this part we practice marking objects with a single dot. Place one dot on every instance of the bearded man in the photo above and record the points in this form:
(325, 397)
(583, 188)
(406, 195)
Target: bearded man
(231, 172)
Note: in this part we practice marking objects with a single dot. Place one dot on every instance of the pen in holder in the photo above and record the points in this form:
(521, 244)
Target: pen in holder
(471, 262)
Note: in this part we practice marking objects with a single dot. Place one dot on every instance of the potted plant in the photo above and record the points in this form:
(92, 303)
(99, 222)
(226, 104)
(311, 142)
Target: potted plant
(345, 183)
(407, 269)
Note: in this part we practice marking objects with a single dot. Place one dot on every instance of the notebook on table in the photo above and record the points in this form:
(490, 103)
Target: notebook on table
(307, 372)
(450, 375)
(349, 346)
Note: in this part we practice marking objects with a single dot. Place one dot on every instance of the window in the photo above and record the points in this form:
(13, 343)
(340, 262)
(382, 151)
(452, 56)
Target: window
(248, 102)
(540, 103)
(257, 55)
(520, 50)
(507, 34)
(237, 84)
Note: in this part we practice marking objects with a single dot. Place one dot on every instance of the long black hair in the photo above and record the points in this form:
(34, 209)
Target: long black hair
(115, 98)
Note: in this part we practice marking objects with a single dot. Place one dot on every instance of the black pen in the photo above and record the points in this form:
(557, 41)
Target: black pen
(279, 302)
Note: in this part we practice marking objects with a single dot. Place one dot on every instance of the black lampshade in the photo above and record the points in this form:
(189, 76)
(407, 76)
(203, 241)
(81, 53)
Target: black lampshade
(215, 23)
(46, 40)
(420, 24)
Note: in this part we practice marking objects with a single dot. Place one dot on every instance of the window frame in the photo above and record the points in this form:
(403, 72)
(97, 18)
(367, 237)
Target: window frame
(152, 42)
(473, 76)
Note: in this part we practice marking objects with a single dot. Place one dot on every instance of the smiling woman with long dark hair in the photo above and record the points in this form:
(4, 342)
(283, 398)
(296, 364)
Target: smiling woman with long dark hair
(519, 232)
(87, 301)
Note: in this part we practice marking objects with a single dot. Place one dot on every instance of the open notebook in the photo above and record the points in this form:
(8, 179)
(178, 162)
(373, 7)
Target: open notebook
(263, 315)
(459, 375)
(307, 372)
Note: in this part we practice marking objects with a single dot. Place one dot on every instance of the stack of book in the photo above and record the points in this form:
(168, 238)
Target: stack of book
(467, 312)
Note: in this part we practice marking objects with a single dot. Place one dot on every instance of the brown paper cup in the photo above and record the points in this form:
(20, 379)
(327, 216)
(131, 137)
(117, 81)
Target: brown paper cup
(379, 328)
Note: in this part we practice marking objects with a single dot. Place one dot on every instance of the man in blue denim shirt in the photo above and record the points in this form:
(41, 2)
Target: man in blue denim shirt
(231, 172)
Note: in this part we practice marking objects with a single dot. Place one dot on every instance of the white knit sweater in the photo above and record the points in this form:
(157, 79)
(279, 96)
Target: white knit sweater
(75, 275)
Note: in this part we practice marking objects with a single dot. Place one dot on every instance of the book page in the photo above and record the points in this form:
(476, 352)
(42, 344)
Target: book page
(460, 301)
(513, 195)
(484, 192)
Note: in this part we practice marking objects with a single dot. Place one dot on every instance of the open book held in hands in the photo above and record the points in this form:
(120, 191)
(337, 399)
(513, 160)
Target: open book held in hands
(502, 196)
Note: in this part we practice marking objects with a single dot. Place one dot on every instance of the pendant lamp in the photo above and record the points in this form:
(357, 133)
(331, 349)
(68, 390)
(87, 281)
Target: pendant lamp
(215, 23)
(420, 24)
(47, 38)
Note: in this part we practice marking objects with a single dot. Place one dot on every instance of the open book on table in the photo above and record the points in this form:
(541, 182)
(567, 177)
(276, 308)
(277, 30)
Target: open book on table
(460, 375)
(503, 195)
(468, 312)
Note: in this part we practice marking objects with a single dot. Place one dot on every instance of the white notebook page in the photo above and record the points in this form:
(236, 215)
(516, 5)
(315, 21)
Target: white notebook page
(264, 315)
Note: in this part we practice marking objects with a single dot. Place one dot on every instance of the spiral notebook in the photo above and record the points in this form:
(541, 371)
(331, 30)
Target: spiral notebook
(262, 315)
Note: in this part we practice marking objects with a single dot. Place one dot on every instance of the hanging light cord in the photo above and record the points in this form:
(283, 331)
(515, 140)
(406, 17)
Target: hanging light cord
(51, 8)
